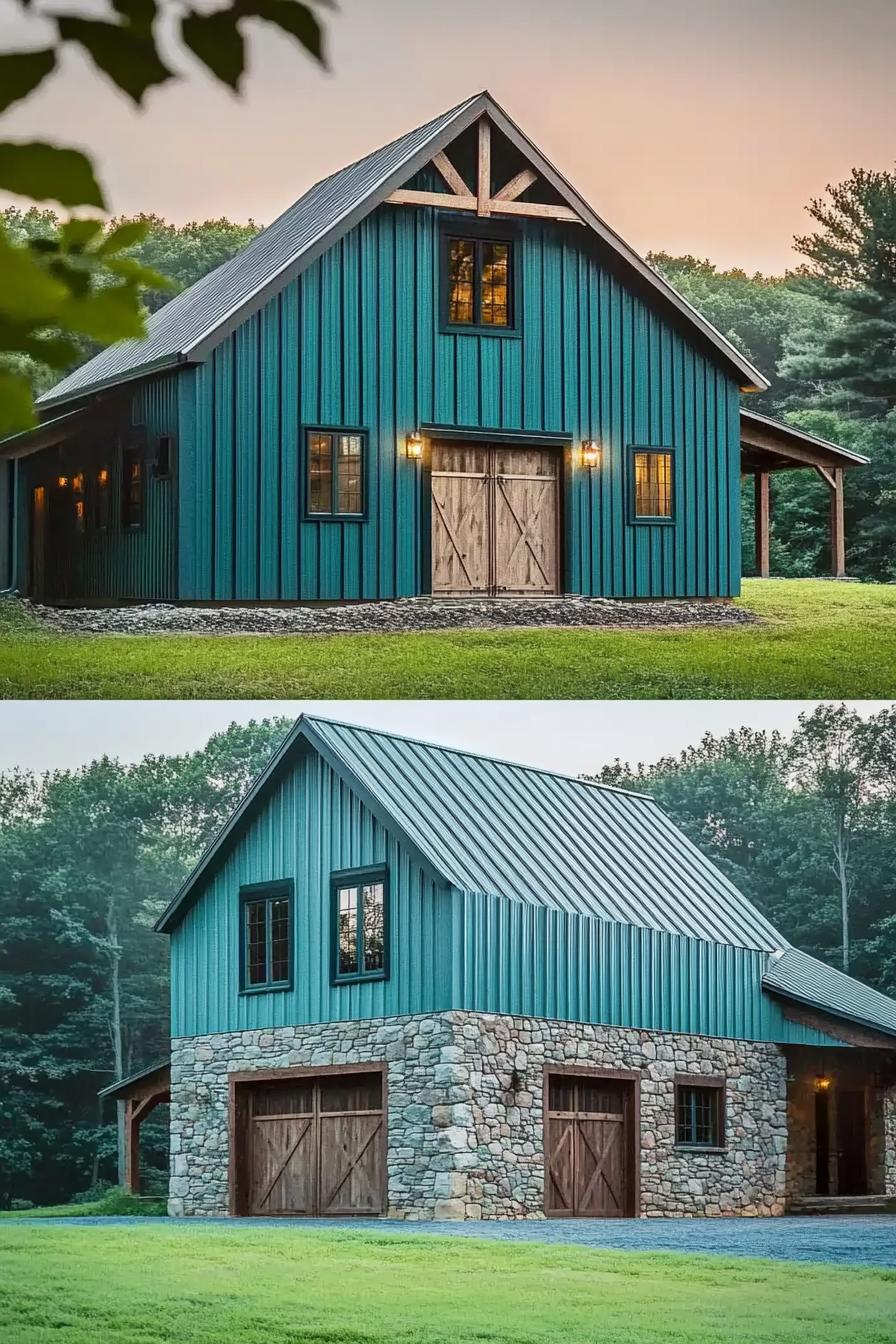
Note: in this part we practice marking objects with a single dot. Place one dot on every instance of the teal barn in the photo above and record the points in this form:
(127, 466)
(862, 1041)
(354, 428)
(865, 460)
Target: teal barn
(438, 372)
(413, 981)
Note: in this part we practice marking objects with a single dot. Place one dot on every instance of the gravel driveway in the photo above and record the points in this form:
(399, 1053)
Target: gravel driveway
(407, 615)
(837, 1240)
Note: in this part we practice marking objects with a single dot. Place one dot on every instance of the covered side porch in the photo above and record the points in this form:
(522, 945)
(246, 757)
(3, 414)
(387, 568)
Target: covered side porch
(137, 1096)
(769, 446)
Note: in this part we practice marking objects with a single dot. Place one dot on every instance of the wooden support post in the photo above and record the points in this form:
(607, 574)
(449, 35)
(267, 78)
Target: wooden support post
(838, 535)
(132, 1147)
(484, 175)
(763, 513)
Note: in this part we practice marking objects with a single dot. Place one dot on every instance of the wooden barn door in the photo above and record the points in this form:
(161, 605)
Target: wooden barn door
(311, 1146)
(589, 1148)
(495, 521)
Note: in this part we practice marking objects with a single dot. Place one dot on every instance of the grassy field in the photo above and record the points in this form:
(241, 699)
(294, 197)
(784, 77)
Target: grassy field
(116, 1202)
(202, 1284)
(818, 640)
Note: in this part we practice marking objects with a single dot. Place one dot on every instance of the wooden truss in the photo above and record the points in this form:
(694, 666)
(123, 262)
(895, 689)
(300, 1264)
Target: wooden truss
(504, 202)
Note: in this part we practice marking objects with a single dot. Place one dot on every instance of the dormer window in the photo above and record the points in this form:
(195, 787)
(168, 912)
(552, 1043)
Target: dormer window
(479, 282)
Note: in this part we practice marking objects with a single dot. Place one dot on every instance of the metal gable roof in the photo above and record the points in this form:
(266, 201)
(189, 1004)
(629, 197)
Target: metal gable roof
(189, 324)
(802, 978)
(526, 834)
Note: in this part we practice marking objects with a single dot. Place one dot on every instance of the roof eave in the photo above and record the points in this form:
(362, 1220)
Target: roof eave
(48, 402)
(810, 1002)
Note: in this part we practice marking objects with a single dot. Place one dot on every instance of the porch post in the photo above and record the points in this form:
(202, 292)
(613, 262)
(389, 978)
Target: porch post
(763, 511)
(132, 1146)
(838, 535)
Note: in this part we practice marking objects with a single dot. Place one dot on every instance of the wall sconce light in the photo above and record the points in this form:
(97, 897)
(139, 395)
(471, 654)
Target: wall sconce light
(822, 1082)
(590, 453)
(103, 476)
(62, 482)
(413, 446)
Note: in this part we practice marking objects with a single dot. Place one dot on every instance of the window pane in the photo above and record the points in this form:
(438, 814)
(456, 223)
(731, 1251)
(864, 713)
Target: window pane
(347, 961)
(461, 260)
(495, 302)
(279, 940)
(256, 951)
(698, 1116)
(320, 473)
(102, 510)
(133, 491)
(374, 946)
(653, 485)
(349, 467)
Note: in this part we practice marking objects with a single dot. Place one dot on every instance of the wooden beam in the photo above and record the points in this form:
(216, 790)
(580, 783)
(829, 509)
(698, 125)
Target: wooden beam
(516, 186)
(440, 199)
(763, 513)
(826, 477)
(452, 177)
(132, 1147)
(484, 174)
(534, 210)
(838, 534)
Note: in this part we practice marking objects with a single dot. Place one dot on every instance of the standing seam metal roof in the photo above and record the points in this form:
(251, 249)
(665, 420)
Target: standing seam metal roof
(798, 976)
(187, 321)
(526, 834)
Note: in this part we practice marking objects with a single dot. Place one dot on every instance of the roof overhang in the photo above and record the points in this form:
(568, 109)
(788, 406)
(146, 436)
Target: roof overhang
(44, 435)
(772, 445)
(796, 976)
(154, 1080)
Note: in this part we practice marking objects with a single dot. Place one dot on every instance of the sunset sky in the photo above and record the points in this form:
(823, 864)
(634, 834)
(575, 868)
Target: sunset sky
(698, 126)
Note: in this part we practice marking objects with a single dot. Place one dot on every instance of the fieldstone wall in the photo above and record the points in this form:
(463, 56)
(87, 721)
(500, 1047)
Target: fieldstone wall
(463, 1143)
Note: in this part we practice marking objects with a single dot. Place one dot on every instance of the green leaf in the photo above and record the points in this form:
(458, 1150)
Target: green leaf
(122, 237)
(132, 270)
(49, 348)
(48, 173)
(218, 43)
(16, 403)
(106, 315)
(21, 72)
(128, 56)
(27, 291)
(293, 17)
(138, 13)
(79, 233)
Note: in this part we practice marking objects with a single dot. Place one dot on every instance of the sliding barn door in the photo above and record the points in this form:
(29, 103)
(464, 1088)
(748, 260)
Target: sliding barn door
(309, 1147)
(495, 521)
(589, 1148)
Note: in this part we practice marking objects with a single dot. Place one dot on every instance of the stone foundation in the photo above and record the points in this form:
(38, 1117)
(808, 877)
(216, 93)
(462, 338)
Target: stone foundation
(462, 1144)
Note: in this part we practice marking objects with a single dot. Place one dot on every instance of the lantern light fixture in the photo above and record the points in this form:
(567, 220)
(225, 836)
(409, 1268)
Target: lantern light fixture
(62, 482)
(822, 1082)
(414, 446)
(590, 453)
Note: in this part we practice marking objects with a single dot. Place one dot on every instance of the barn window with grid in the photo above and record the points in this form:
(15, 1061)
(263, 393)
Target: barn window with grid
(360, 901)
(652, 485)
(266, 951)
(699, 1114)
(478, 288)
(336, 464)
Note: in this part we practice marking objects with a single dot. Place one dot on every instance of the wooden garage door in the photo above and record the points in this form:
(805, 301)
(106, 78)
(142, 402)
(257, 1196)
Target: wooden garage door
(314, 1147)
(588, 1148)
(495, 523)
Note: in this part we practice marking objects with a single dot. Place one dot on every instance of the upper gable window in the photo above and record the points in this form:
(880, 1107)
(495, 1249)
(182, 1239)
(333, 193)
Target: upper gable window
(336, 473)
(652, 484)
(479, 282)
(360, 924)
(266, 948)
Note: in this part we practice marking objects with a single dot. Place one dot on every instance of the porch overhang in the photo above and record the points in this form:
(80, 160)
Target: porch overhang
(139, 1093)
(768, 446)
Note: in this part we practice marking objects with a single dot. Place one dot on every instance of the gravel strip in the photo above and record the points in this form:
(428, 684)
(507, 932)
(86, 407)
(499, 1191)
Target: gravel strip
(404, 615)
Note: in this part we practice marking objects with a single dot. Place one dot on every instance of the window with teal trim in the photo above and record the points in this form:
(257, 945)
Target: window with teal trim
(266, 936)
(360, 914)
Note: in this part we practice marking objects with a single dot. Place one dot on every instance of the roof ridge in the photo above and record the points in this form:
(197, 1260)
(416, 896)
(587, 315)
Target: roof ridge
(479, 756)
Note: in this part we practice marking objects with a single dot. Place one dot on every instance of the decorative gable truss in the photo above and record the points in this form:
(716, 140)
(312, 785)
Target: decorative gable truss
(484, 202)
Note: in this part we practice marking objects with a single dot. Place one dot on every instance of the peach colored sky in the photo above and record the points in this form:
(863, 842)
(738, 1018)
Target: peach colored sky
(698, 126)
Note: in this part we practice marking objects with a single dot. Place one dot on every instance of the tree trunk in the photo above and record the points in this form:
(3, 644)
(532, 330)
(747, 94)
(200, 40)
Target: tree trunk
(841, 867)
(115, 1027)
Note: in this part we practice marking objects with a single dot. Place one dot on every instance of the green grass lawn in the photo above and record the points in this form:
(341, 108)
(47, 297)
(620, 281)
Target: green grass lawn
(818, 640)
(195, 1285)
(116, 1202)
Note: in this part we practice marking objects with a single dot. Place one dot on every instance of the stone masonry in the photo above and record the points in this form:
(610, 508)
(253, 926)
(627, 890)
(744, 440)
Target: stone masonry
(462, 1144)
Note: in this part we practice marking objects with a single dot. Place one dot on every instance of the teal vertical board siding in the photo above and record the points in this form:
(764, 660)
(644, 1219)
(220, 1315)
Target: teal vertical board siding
(139, 563)
(356, 342)
(312, 826)
(532, 961)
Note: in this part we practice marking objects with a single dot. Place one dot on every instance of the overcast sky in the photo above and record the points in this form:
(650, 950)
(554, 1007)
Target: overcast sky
(568, 736)
(699, 126)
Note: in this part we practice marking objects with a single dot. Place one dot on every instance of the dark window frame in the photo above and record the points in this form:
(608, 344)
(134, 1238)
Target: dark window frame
(689, 1083)
(652, 519)
(358, 877)
(268, 892)
(479, 233)
(102, 494)
(336, 432)
(163, 464)
(130, 455)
